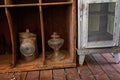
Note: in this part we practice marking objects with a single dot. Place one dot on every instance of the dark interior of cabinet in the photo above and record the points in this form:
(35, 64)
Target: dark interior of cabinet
(50, 1)
(24, 1)
(27, 18)
(1, 2)
(5, 40)
(57, 19)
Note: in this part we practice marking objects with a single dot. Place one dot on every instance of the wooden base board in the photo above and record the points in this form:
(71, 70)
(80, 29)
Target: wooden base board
(37, 67)
(36, 64)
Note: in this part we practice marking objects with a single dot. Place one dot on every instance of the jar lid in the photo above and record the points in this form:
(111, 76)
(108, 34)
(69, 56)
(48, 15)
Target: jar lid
(55, 35)
(26, 34)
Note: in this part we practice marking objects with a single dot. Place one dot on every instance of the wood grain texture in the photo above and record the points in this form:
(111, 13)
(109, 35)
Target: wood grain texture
(59, 74)
(96, 69)
(42, 32)
(23, 75)
(6, 76)
(73, 29)
(85, 73)
(17, 76)
(106, 67)
(33, 75)
(111, 61)
(46, 75)
(72, 74)
(13, 36)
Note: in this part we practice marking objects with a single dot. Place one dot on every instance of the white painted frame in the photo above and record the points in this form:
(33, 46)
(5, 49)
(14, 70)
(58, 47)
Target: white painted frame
(83, 6)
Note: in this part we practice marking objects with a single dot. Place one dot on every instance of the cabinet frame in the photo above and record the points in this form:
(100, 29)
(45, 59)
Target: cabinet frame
(85, 47)
(84, 38)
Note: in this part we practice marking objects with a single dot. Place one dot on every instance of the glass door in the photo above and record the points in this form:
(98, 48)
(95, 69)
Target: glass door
(100, 23)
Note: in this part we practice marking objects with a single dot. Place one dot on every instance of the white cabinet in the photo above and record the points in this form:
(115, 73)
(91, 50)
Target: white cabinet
(98, 27)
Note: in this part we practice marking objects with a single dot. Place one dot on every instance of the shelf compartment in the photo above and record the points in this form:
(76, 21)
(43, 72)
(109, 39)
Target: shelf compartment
(5, 41)
(23, 65)
(63, 61)
(52, 1)
(57, 19)
(9, 2)
(27, 18)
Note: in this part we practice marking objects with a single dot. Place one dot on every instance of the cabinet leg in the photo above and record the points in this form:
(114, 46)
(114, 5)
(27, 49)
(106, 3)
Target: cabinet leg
(81, 59)
(116, 56)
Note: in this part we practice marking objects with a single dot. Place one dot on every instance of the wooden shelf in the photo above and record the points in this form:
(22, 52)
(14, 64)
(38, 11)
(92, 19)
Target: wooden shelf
(16, 17)
(11, 2)
(63, 61)
(21, 63)
(35, 4)
(20, 5)
(36, 64)
(56, 3)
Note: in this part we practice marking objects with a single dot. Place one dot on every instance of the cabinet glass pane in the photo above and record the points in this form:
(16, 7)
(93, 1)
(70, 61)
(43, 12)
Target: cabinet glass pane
(101, 21)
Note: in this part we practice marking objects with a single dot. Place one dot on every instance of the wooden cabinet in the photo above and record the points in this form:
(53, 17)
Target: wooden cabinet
(41, 17)
(98, 27)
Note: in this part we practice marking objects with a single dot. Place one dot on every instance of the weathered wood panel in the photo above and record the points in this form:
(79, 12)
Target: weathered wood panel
(111, 61)
(72, 74)
(46, 75)
(85, 73)
(23, 75)
(6, 76)
(107, 68)
(33, 75)
(99, 74)
(59, 74)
